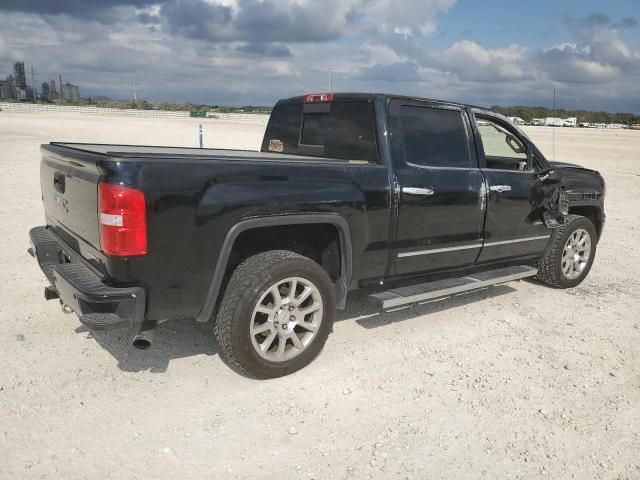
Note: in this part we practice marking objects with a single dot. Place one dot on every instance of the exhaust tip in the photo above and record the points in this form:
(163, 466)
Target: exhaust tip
(141, 343)
(50, 293)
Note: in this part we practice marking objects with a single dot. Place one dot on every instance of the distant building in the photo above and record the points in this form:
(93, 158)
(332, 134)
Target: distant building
(7, 89)
(20, 93)
(53, 92)
(19, 75)
(46, 92)
(70, 93)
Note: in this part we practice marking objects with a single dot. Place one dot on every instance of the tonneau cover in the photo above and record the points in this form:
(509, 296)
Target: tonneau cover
(143, 151)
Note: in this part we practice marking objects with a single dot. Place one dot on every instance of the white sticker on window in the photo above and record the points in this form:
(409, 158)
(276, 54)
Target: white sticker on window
(276, 146)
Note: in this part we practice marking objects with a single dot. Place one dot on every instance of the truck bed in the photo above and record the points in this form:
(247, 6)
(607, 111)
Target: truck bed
(184, 153)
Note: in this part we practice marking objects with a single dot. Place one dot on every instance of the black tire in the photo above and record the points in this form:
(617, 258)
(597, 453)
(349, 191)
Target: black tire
(246, 286)
(550, 265)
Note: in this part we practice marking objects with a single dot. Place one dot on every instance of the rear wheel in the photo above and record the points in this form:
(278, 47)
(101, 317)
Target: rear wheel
(569, 256)
(276, 314)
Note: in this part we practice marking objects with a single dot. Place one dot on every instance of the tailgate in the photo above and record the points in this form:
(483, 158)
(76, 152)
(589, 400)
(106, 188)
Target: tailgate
(69, 183)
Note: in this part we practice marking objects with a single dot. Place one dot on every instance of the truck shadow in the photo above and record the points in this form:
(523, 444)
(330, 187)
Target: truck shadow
(172, 340)
(188, 338)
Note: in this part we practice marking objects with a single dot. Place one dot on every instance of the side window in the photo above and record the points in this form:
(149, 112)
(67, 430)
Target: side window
(434, 137)
(502, 148)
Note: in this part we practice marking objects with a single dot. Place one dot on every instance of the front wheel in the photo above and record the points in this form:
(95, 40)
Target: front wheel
(276, 314)
(570, 254)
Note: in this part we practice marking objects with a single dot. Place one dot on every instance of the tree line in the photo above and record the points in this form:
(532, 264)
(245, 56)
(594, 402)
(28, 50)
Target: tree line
(175, 107)
(583, 116)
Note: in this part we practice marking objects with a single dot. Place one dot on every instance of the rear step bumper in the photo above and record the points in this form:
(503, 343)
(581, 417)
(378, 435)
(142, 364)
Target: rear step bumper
(450, 286)
(98, 305)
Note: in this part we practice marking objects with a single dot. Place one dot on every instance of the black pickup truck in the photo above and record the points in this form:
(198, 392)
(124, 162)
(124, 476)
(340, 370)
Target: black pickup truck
(348, 191)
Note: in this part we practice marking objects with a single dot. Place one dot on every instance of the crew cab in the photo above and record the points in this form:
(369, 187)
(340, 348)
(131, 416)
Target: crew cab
(411, 198)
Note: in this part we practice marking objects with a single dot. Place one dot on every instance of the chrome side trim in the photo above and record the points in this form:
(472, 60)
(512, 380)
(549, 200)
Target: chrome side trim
(417, 191)
(517, 240)
(467, 247)
(439, 250)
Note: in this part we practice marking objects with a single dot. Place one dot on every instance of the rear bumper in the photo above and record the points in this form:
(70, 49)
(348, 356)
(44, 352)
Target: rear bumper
(97, 304)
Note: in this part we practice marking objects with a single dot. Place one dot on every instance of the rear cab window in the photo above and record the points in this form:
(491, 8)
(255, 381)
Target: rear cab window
(338, 129)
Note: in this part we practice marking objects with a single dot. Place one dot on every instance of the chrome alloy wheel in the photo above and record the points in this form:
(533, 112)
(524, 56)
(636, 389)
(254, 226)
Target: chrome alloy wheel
(286, 319)
(576, 253)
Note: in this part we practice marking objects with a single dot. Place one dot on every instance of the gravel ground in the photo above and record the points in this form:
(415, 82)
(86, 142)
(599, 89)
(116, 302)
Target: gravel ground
(516, 381)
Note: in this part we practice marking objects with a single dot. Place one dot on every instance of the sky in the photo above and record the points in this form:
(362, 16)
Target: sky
(252, 52)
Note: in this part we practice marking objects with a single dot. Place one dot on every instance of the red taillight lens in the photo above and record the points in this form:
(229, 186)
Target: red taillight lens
(123, 220)
(319, 98)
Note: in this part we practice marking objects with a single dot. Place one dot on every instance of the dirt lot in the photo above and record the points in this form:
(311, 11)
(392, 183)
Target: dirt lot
(517, 381)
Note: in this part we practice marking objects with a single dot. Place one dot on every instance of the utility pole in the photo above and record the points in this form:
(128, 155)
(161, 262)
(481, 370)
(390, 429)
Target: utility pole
(330, 80)
(135, 93)
(554, 125)
(60, 89)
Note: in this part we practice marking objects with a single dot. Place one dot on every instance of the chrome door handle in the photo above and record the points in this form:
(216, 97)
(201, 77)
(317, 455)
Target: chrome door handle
(417, 191)
(500, 188)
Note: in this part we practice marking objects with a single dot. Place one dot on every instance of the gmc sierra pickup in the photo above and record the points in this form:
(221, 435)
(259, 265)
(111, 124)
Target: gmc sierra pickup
(348, 191)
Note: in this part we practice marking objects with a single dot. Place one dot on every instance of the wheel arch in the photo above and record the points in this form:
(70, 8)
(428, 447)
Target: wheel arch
(593, 213)
(345, 249)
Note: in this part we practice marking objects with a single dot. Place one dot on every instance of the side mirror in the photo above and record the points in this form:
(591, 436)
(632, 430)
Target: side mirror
(514, 144)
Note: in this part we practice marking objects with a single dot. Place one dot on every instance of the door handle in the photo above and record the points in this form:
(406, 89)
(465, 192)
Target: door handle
(417, 191)
(500, 188)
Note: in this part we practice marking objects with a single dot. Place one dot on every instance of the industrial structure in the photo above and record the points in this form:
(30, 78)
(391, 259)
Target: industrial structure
(70, 92)
(15, 87)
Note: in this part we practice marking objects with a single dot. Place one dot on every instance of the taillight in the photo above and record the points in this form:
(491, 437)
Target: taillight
(319, 98)
(123, 220)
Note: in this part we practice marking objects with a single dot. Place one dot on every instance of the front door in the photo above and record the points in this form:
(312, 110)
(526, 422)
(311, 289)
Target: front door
(509, 167)
(440, 188)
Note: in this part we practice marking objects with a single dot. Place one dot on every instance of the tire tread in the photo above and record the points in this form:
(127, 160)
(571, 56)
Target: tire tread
(547, 272)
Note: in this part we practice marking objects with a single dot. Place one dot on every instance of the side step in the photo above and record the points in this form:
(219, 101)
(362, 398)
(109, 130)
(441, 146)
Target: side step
(449, 286)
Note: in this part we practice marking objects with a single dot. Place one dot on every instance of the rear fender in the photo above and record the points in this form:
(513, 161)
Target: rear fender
(336, 220)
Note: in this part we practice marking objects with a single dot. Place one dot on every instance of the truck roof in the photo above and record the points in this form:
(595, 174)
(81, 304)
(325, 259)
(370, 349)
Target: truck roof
(369, 97)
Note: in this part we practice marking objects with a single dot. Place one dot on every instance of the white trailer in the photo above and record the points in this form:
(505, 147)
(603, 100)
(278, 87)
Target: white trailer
(516, 120)
(570, 122)
(553, 122)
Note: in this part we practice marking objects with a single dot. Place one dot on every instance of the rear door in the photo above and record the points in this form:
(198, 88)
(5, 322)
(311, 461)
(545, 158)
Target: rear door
(440, 188)
(509, 166)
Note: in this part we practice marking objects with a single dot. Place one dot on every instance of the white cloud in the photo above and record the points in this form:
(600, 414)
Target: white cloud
(254, 51)
(406, 17)
(470, 61)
